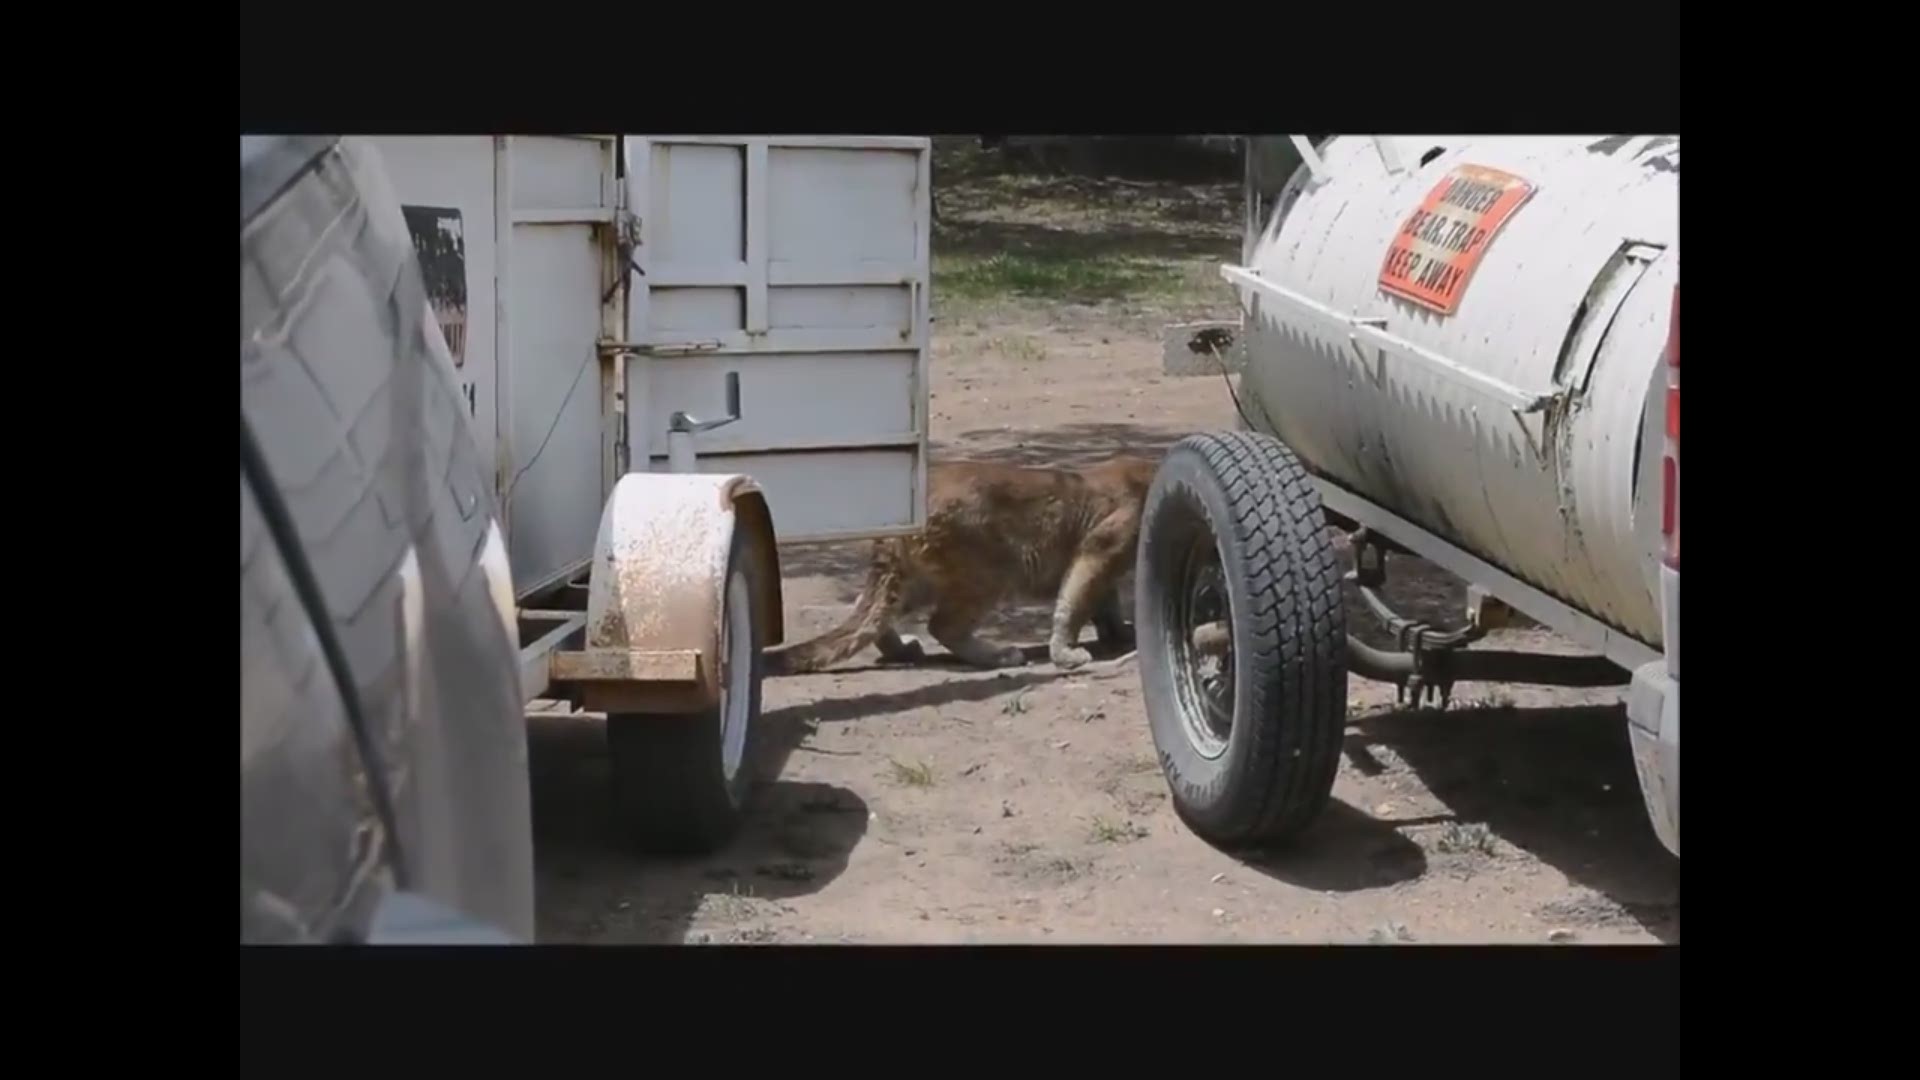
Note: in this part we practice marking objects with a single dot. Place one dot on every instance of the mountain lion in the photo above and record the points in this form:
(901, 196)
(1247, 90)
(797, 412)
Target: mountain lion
(996, 532)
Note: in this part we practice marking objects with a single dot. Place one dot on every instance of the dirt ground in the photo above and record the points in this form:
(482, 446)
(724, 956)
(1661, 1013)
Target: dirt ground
(943, 805)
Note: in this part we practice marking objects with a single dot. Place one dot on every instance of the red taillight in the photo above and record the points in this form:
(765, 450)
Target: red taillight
(1670, 462)
(1670, 508)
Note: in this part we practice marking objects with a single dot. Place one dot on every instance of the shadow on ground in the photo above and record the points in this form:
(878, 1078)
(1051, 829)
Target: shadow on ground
(1060, 244)
(1062, 445)
(1097, 171)
(797, 837)
(1136, 157)
(788, 728)
(1346, 850)
(1556, 782)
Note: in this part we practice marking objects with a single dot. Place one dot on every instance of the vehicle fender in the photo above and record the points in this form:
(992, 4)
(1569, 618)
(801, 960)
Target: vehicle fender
(660, 564)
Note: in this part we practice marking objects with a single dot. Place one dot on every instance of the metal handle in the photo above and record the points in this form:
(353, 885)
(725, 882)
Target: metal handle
(681, 428)
(682, 422)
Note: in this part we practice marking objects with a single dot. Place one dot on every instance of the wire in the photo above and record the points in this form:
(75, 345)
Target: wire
(551, 428)
(1221, 362)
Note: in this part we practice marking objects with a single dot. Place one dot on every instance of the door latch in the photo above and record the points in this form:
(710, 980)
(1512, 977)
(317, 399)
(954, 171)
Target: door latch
(682, 427)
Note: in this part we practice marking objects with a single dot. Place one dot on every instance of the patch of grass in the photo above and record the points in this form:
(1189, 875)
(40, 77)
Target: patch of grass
(1097, 236)
(1468, 838)
(1056, 277)
(912, 774)
(1108, 831)
(1020, 347)
(1063, 868)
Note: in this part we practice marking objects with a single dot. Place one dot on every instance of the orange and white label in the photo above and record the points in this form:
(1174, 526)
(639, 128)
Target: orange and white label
(1434, 254)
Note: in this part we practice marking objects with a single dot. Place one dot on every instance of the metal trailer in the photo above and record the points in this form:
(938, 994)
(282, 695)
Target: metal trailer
(678, 352)
(1464, 348)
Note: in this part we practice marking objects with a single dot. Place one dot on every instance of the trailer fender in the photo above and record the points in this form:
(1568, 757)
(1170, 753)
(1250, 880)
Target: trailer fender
(659, 575)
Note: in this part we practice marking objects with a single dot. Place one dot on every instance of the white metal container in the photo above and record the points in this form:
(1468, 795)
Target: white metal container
(801, 264)
(1523, 424)
(593, 286)
(678, 352)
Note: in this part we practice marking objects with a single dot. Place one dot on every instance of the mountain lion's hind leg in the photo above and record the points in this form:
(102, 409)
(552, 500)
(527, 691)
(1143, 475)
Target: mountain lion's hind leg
(1099, 564)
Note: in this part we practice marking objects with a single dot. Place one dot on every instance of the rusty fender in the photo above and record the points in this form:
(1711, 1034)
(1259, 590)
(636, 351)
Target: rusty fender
(658, 585)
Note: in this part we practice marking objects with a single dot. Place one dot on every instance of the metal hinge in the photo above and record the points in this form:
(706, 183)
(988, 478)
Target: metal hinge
(626, 246)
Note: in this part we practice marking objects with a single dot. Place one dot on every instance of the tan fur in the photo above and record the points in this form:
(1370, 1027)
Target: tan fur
(994, 533)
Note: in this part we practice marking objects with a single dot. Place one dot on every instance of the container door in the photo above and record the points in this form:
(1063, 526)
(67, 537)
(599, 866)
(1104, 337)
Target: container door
(801, 264)
(517, 238)
(560, 294)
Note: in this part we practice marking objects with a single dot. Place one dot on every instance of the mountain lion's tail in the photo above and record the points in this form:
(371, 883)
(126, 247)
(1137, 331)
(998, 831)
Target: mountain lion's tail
(870, 615)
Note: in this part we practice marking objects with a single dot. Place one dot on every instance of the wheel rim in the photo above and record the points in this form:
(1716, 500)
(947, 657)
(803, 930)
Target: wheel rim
(1202, 682)
(736, 645)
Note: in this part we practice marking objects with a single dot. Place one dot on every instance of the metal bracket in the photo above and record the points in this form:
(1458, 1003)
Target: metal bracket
(1486, 611)
(1201, 348)
(1368, 575)
(1314, 162)
(1427, 674)
(682, 427)
(1389, 153)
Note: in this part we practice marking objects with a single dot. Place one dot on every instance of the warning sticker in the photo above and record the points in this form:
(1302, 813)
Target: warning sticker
(1435, 252)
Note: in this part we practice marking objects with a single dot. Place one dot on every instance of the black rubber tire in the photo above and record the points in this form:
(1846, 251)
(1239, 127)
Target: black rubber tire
(1249, 496)
(671, 794)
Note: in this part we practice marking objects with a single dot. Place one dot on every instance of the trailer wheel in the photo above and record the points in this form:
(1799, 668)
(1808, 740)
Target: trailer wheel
(680, 783)
(1248, 720)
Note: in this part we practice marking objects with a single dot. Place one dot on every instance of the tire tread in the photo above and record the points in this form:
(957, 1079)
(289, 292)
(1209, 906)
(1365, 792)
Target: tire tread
(1292, 637)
